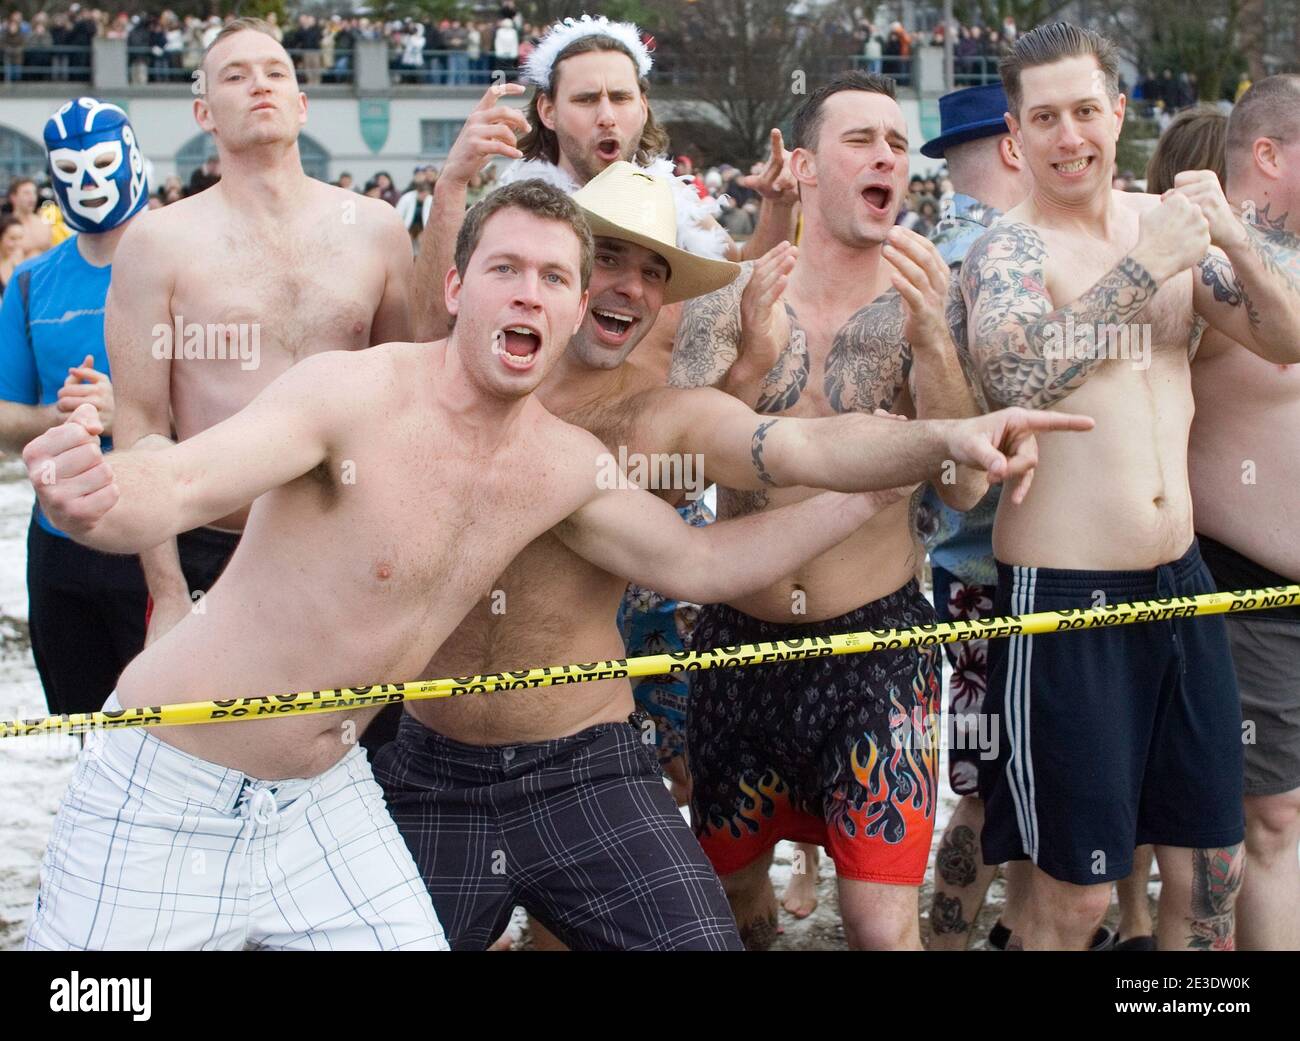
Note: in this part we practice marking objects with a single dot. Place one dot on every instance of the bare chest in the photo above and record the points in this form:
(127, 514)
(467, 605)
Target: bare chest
(831, 366)
(535, 608)
(291, 296)
(1167, 324)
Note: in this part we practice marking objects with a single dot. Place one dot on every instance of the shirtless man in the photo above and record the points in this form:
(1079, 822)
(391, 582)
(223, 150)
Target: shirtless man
(553, 795)
(853, 324)
(266, 268)
(590, 108)
(390, 487)
(1245, 478)
(1127, 735)
(23, 200)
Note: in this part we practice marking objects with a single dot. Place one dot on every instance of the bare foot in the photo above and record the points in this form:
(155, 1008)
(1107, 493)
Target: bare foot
(800, 896)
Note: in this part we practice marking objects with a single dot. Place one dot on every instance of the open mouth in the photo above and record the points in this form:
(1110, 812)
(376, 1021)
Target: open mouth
(1073, 167)
(616, 325)
(608, 149)
(517, 346)
(877, 197)
(94, 201)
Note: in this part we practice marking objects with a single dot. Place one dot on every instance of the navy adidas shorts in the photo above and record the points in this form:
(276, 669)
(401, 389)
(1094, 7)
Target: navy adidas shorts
(1110, 738)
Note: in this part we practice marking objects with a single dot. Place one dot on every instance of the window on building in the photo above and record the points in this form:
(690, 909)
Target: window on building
(438, 135)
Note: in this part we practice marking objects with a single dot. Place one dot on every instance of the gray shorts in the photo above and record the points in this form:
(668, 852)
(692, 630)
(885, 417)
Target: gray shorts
(1266, 655)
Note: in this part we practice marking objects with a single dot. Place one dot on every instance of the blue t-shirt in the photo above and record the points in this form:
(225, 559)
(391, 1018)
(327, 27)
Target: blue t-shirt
(66, 321)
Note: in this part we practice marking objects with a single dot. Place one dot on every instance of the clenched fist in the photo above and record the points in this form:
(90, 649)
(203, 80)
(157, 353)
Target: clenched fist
(1202, 187)
(1171, 237)
(73, 481)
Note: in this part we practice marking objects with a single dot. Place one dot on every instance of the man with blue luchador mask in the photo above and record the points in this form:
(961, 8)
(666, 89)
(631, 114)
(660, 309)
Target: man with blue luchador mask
(86, 608)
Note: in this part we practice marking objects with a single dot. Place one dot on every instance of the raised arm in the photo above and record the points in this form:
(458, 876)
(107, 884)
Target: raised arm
(137, 498)
(1013, 324)
(635, 534)
(1253, 271)
(913, 318)
(490, 130)
(778, 191)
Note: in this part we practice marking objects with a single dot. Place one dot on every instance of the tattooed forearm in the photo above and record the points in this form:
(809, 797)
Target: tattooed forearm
(1017, 338)
(756, 451)
(1216, 879)
(708, 336)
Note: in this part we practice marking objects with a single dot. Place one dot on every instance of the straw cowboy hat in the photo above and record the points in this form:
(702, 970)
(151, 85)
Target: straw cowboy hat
(624, 202)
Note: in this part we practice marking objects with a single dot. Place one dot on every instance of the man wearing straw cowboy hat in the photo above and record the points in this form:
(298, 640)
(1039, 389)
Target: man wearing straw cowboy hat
(378, 517)
(590, 108)
(553, 798)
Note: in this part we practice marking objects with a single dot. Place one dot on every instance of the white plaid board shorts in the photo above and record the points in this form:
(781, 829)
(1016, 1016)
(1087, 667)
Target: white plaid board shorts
(153, 848)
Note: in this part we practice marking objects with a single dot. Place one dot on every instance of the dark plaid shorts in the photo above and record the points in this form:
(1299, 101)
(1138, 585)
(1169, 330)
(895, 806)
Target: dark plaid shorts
(580, 831)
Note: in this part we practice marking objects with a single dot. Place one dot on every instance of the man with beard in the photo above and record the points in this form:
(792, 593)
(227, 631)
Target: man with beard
(552, 798)
(590, 108)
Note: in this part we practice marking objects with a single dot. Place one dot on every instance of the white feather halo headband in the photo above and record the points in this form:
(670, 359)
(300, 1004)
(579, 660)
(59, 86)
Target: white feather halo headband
(538, 65)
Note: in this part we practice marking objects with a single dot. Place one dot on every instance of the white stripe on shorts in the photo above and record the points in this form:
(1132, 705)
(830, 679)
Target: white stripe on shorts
(1020, 765)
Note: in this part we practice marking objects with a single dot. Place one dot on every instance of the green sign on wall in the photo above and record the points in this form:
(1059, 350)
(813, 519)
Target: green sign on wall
(374, 122)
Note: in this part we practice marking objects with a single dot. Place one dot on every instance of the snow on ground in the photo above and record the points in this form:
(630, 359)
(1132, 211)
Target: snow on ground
(33, 771)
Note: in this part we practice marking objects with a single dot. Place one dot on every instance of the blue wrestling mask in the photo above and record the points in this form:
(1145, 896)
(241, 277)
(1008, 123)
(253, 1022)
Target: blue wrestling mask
(96, 165)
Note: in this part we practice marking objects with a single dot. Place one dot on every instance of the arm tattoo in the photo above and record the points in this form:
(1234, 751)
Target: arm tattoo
(869, 358)
(1279, 252)
(786, 379)
(1218, 274)
(1216, 878)
(1012, 317)
(756, 451)
(955, 315)
(708, 336)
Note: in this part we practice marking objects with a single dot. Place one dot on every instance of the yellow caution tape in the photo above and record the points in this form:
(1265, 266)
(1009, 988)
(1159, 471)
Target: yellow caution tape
(342, 699)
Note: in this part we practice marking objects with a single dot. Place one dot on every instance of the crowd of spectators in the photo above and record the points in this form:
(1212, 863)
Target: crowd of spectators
(164, 46)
